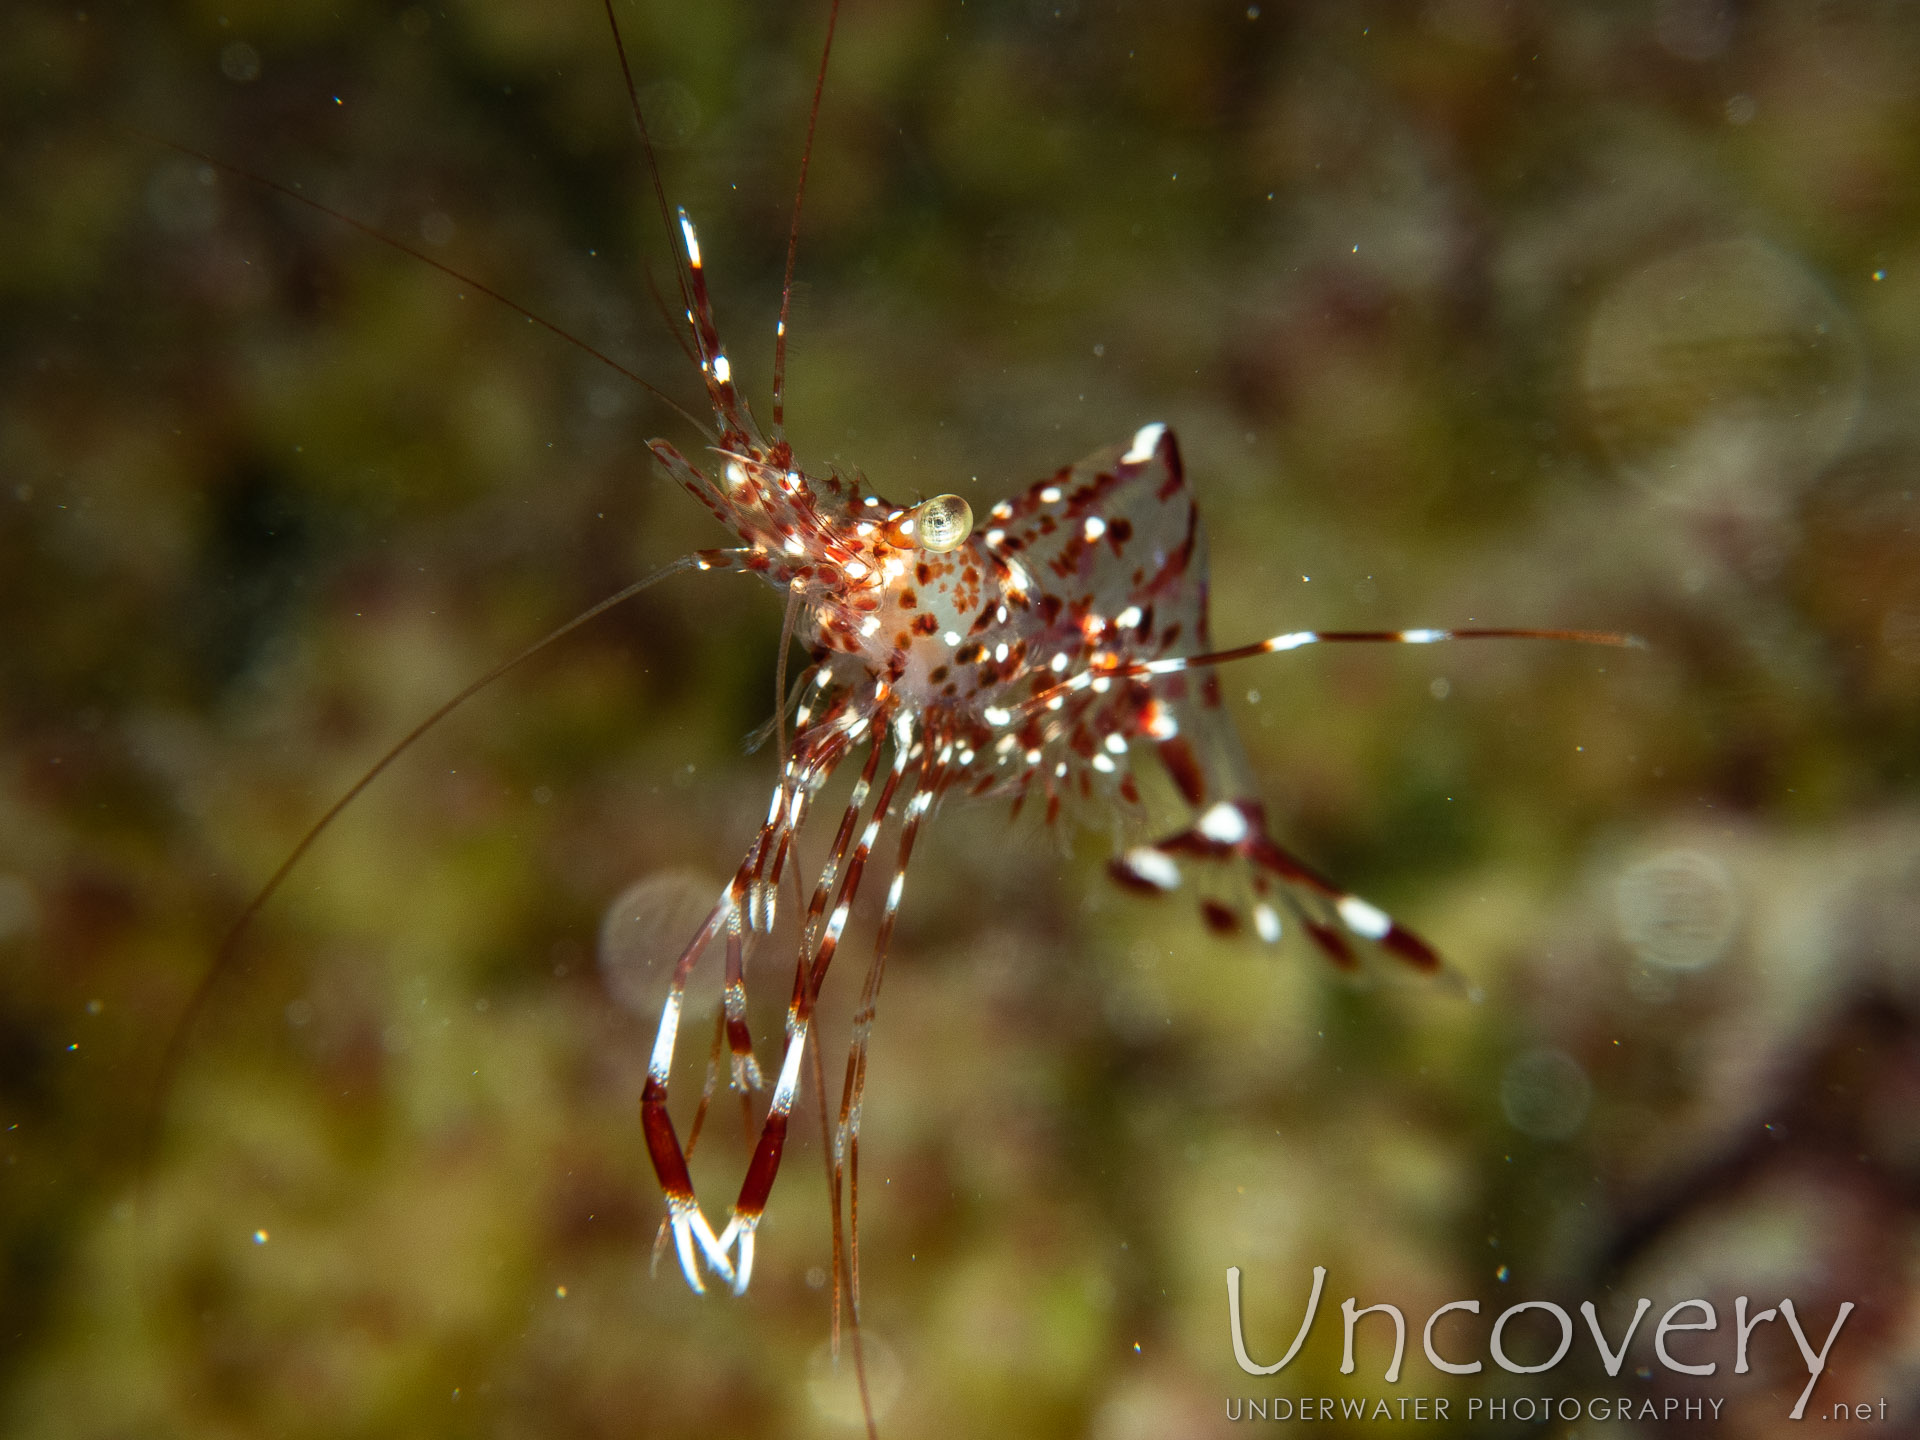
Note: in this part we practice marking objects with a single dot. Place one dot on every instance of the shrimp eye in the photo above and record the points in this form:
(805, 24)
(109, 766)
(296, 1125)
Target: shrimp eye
(943, 523)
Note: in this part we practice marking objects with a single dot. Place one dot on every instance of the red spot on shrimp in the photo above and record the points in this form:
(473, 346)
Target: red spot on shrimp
(1177, 756)
(1219, 918)
(1411, 948)
(1332, 943)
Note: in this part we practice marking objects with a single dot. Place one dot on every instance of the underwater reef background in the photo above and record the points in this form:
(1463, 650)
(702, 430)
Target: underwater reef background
(1593, 314)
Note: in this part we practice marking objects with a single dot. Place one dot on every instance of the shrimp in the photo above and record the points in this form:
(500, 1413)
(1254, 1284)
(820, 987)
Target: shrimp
(1044, 656)
(1041, 657)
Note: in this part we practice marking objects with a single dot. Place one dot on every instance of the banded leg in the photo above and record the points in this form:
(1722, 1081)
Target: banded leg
(663, 1236)
(1202, 756)
(1109, 666)
(791, 799)
(737, 427)
(1230, 829)
(689, 1226)
(745, 1070)
(684, 1216)
(809, 976)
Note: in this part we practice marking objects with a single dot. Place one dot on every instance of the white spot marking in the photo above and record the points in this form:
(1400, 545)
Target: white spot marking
(722, 371)
(1362, 918)
(952, 637)
(1128, 618)
(662, 1061)
(1266, 922)
(1153, 866)
(1145, 441)
(994, 715)
(1050, 495)
(1224, 824)
(789, 1073)
(1094, 528)
(746, 1255)
(1117, 744)
(693, 241)
(1103, 764)
(1422, 637)
(837, 922)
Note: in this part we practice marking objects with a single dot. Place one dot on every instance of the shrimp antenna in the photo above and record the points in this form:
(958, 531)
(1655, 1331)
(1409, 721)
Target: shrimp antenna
(793, 232)
(229, 950)
(394, 242)
(1294, 639)
(653, 162)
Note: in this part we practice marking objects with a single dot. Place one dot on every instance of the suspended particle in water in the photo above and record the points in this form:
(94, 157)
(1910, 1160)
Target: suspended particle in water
(1678, 910)
(1546, 1094)
(643, 931)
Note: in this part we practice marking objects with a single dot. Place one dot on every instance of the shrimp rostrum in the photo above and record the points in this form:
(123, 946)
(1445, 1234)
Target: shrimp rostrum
(1039, 656)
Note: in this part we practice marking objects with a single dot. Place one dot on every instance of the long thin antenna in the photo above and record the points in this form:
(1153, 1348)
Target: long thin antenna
(229, 950)
(393, 242)
(653, 164)
(793, 233)
(1293, 640)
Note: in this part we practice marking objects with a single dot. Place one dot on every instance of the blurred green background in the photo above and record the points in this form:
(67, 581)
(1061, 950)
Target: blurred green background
(1600, 314)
